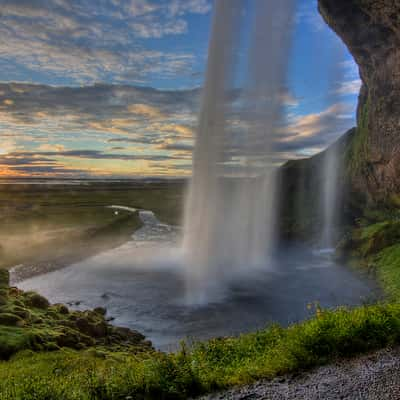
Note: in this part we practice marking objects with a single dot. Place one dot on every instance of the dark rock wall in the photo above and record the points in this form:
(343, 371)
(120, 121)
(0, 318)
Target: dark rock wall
(370, 153)
(371, 31)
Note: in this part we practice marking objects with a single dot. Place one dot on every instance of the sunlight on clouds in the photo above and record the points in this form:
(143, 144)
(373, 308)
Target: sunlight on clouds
(145, 110)
(312, 124)
(7, 146)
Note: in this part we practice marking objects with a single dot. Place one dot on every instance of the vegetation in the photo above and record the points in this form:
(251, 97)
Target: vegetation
(28, 321)
(357, 152)
(50, 352)
(53, 222)
(216, 364)
(376, 247)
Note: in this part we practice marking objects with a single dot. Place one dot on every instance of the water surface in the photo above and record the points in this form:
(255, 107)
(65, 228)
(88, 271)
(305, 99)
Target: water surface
(141, 285)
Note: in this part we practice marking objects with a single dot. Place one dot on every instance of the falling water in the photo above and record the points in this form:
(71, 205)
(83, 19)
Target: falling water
(331, 188)
(329, 197)
(229, 209)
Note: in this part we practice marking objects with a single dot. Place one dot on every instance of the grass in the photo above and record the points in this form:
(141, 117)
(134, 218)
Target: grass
(53, 221)
(29, 322)
(211, 365)
(358, 150)
(388, 269)
(42, 367)
(377, 247)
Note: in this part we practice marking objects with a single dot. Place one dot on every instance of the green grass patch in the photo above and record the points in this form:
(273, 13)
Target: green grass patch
(51, 222)
(216, 364)
(388, 270)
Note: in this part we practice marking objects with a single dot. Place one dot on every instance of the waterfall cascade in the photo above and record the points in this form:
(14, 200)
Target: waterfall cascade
(229, 209)
(329, 197)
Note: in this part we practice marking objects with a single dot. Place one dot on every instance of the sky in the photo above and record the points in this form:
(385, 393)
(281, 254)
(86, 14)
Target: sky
(112, 88)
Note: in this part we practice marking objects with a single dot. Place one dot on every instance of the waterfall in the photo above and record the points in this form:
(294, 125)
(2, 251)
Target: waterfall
(329, 197)
(229, 213)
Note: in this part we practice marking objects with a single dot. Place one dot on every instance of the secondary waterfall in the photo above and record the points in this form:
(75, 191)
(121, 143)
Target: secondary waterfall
(229, 216)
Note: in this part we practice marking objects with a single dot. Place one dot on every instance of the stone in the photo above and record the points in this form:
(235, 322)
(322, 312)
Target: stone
(100, 310)
(128, 334)
(61, 308)
(35, 300)
(371, 31)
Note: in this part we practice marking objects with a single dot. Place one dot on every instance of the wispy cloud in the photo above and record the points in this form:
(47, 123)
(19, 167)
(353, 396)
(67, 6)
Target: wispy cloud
(119, 129)
(85, 42)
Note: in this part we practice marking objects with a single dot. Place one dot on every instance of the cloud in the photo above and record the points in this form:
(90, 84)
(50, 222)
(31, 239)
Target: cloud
(181, 7)
(148, 30)
(87, 42)
(349, 87)
(91, 154)
(307, 134)
(109, 109)
(141, 7)
(122, 128)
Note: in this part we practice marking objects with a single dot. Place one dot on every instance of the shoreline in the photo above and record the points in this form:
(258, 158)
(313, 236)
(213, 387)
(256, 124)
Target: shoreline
(88, 245)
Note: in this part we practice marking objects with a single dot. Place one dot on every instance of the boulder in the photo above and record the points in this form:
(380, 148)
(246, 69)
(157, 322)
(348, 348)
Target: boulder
(35, 300)
(92, 329)
(127, 334)
(101, 311)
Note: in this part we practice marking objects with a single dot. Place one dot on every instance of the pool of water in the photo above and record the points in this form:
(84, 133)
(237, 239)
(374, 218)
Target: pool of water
(141, 286)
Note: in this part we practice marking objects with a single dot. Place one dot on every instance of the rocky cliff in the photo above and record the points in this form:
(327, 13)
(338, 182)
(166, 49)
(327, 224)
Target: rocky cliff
(370, 153)
(371, 31)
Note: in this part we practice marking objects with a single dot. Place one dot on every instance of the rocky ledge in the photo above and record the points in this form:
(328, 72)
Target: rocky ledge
(29, 322)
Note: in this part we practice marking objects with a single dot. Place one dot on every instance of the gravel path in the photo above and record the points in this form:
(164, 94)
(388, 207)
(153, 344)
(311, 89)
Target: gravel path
(372, 377)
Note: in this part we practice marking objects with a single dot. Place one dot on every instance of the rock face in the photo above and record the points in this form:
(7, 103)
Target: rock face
(300, 185)
(370, 153)
(371, 31)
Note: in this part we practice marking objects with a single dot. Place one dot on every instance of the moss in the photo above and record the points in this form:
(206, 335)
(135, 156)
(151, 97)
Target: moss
(12, 340)
(35, 300)
(10, 319)
(215, 364)
(357, 152)
(388, 263)
(51, 327)
(4, 278)
(371, 239)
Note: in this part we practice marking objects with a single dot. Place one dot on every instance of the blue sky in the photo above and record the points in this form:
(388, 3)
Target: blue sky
(111, 87)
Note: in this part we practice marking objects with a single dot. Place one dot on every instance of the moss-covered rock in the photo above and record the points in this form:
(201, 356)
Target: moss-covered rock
(10, 319)
(61, 309)
(29, 322)
(35, 300)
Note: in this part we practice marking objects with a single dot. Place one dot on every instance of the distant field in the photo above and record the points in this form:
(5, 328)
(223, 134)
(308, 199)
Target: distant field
(46, 222)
